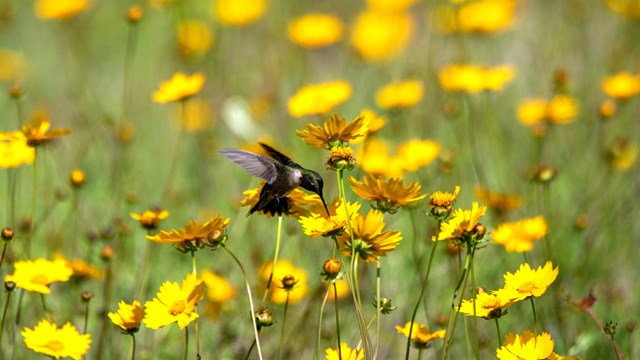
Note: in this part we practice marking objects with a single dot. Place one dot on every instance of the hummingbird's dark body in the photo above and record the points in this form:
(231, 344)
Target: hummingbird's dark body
(281, 174)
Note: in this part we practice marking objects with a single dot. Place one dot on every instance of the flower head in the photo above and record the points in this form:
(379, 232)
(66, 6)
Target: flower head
(194, 38)
(37, 131)
(194, 236)
(346, 351)
(500, 202)
(219, 292)
(378, 35)
(315, 30)
(59, 9)
(475, 78)
(562, 109)
(14, 151)
(628, 8)
(335, 131)
(622, 154)
(519, 236)
(388, 195)
(462, 223)
(486, 16)
(489, 305)
(370, 241)
(376, 159)
(283, 269)
(128, 316)
(376, 122)
(179, 87)
(80, 268)
(531, 283)
(526, 346)
(421, 337)
(239, 12)
(194, 116)
(46, 338)
(401, 94)
(341, 158)
(621, 86)
(319, 99)
(441, 202)
(317, 223)
(39, 274)
(174, 303)
(415, 154)
(149, 219)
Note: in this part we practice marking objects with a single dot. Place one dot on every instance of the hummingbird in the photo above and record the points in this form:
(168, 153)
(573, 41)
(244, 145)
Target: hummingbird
(281, 174)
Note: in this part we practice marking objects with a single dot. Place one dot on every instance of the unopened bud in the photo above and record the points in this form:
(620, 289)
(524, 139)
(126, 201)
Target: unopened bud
(86, 296)
(288, 282)
(9, 285)
(264, 318)
(7, 234)
(331, 268)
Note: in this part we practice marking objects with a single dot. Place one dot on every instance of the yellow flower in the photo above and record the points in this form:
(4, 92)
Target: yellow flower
(562, 109)
(194, 37)
(13, 65)
(194, 235)
(489, 306)
(14, 151)
(341, 158)
(390, 6)
(174, 303)
(415, 154)
(80, 268)
(378, 35)
(46, 338)
(39, 274)
(370, 241)
(628, 8)
(238, 12)
(607, 109)
(486, 16)
(420, 335)
(377, 160)
(376, 122)
(519, 236)
(388, 195)
(37, 131)
(294, 206)
(444, 199)
(401, 94)
(319, 99)
(128, 316)
(219, 292)
(500, 202)
(474, 78)
(526, 346)
(317, 223)
(315, 30)
(532, 111)
(282, 269)
(622, 154)
(334, 131)
(59, 9)
(462, 223)
(179, 87)
(621, 86)
(528, 282)
(149, 219)
(346, 351)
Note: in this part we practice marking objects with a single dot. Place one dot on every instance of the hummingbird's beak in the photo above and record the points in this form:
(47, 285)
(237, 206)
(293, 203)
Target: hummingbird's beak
(325, 205)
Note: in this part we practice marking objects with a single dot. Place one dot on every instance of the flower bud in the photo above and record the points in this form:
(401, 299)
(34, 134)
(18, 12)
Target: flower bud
(545, 174)
(106, 253)
(7, 234)
(86, 296)
(288, 282)
(385, 305)
(9, 285)
(264, 318)
(331, 269)
(16, 91)
(607, 109)
(610, 328)
(77, 177)
(479, 230)
(135, 14)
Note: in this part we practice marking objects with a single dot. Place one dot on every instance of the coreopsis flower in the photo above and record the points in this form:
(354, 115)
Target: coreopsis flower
(317, 223)
(13, 65)
(532, 111)
(128, 316)
(378, 35)
(622, 154)
(415, 154)
(376, 159)
(37, 275)
(174, 303)
(370, 240)
(462, 223)
(519, 236)
(46, 338)
(80, 268)
(277, 291)
(334, 132)
(387, 196)
(530, 283)
(219, 292)
(59, 9)
(501, 203)
(400, 94)
(346, 352)
(36, 131)
(319, 99)
(562, 109)
(628, 8)
(486, 16)
(194, 235)
(489, 305)
(421, 337)
(179, 87)
(621, 86)
(390, 6)
(376, 122)
(149, 219)
(526, 346)
(294, 204)
(194, 37)
(341, 158)
(239, 12)
(14, 151)
(315, 30)
(441, 203)
(474, 78)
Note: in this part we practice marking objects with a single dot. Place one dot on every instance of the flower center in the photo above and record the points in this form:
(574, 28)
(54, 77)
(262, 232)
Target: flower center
(40, 279)
(526, 288)
(55, 345)
(177, 308)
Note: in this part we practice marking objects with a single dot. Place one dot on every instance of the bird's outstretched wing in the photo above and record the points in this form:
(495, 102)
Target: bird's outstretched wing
(256, 165)
(278, 155)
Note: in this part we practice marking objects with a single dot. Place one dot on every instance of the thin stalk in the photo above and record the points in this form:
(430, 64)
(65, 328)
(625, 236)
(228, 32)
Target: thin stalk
(4, 314)
(186, 342)
(498, 330)
(145, 270)
(4, 250)
(378, 280)
(535, 318)
(275, 260)
(133, 346)
(86, 317)
(318, 340)
(475, 317)
(196, 325)
(335, 301)
(11, 195)
(33, 204)
(17, 323)
(284, 320)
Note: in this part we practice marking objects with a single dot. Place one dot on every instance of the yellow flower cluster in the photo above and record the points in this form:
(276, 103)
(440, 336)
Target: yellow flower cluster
(474, 78)
(401, 94)
(561, 109)
(519, 236)
(376, 158)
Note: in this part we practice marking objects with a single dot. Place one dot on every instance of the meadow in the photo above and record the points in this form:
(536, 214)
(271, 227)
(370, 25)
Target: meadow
(478, 157)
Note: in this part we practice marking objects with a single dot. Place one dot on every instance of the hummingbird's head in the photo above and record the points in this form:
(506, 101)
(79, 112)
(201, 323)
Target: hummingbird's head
(312, 181)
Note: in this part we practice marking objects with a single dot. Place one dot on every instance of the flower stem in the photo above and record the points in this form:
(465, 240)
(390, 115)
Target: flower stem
(253, 313)
(86, 317)
(133, 346)
(475, 317)
(33, 203)
(4, 250)
(196, 325)
(284, 320)
(145, 270)
(335, 302)
(378, 281)
(535, 318)
(498, 330)
(275, 260)
(4, 314)
(324, 302)
(186, 342)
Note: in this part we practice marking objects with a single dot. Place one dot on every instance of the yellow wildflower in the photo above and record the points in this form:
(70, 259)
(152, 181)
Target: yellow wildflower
(334, 131)
(80, 268)
(526, 346)
(370, 241)
(376, 122)
(519, 236)
(13, 65)
(474, 78)
(194, 235)
(179, 87)
(315, 30)
(319, 99)
(59, 9)
(420, 335)
(14, 151)
(219, 292)
(486, 16)
(36, 131)
(46, 338)
(462, 223)
(149, 219)
(377, 160)
(128, 316)
(282, 269)
(401, 94)
(37, 275)
(562, 109)
(489, 306)
(317, 223)
(378, 35)
(342, 288)
(238, 12)
(531, 283)
(346, 351)
(388, 195)
(621, 86)
(194, 116)
(390, 6)
(622, 154)
(628, 8)
(500, 202)
(174, 303)
(194, 37)
(415, 154)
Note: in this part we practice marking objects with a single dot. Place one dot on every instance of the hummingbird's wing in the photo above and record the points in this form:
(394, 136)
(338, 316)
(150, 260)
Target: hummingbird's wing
(256, 165)
(278, 155)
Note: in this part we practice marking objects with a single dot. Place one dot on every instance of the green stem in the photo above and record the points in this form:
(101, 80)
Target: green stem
(335, 302)
(253, 312)
(133, 346)
(378, 280)
(11, 195)
(196, 325)
(275, 260)
(4, 250)
(422, 290)
(535, 318)
(319, 339)
(86, 316)
(4, 314)
(145, 270)
(284, 320)
(475, 317)
(186, 342)
(498, 330)
(33, 204)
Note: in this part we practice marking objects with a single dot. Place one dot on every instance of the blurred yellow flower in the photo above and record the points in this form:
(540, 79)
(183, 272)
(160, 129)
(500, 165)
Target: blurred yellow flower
(370, 241)
(219, 292)
(315, 30)
(282, 269)
(149, 219)
(462, 223)
(607, 109)
(622, 154)
(623, 85)
(342, 288)
(194, 235)
(319, 99)
(500, 202)
(196, 116)
(532, 111)
(530, 283)
(317, 223)
(628, 8)
(420, 335)
(238, 12)
(518, 236)
(562, 109)
(14, 151)
(13, 65)
(486, 16)
(194, 37)
(376, 122)
(444, 199)
(46, 338)
(128, 316)
(37, 275)
(179, 87)
(415, 154)
(346, 351)
(526, 346)
(388, 195)
(401, 94)
(474, 78)
(80, 268)
(334, 132)
(489, 306)
(174, 303)
(59, 9)
(36, 131)
(378, 35)
(376, 159)
(390, 6)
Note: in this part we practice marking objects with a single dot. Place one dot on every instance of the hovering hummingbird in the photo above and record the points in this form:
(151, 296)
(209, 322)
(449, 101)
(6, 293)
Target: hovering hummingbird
(281, 174)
